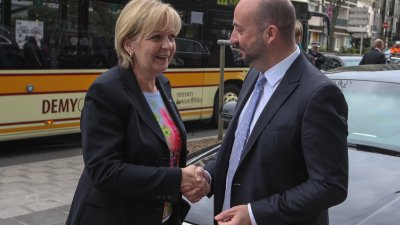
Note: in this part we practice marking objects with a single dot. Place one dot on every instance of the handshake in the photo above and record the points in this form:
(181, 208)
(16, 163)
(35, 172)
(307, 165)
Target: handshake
(195, 183)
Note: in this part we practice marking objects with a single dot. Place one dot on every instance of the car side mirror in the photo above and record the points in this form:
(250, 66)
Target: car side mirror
(227, 110)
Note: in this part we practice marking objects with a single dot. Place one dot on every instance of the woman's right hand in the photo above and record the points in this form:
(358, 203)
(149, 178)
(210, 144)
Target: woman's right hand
(195, 183)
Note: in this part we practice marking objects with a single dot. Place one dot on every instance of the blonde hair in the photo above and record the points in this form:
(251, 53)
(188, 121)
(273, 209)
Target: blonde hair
(298, 28)
(139, 18)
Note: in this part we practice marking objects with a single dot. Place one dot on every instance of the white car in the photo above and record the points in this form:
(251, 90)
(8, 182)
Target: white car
(334, 61)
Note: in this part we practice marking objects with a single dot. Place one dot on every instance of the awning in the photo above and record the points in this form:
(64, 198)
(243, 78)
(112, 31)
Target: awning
(315, 31)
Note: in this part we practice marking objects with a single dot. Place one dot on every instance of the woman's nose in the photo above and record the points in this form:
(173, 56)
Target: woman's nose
(167, 43)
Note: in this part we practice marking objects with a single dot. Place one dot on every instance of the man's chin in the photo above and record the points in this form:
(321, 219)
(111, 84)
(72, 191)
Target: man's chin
(247, 60)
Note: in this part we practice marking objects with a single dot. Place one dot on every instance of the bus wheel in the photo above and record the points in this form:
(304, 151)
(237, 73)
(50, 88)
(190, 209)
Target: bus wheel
(231, 93)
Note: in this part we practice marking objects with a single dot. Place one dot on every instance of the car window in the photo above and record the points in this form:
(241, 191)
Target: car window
(326, 64)
(189, 53)
(188, 46)
(335, 63)
(351, 61)
(373, 113)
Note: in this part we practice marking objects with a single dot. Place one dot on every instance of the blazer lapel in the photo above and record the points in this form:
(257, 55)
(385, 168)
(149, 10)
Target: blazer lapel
(140, 104)
(288, 84)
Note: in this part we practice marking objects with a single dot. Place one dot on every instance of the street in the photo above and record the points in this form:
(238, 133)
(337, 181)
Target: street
(38, 177)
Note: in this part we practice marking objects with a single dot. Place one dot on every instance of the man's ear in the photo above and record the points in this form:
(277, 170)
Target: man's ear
(270, 34)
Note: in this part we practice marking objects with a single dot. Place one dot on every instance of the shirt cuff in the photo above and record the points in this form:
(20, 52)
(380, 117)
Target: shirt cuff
(209, 176)
(253, 221)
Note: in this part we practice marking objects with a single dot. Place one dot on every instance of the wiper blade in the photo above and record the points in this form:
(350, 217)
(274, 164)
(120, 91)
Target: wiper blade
(375, 149)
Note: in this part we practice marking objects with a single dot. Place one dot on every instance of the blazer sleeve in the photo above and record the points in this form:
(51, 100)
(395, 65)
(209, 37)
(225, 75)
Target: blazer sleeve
(324, 145)
(362, 62)
(103, 126)
(382, 59)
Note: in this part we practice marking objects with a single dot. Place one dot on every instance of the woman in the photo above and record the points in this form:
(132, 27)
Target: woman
(132, 136)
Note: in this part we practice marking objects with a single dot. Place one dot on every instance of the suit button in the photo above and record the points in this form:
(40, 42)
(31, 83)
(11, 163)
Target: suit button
(237, 184)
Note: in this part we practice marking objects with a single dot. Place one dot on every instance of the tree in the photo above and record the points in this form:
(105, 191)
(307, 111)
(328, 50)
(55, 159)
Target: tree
(334, 7)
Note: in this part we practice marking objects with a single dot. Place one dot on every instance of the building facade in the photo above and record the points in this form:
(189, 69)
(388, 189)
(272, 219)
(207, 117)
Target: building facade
(357, 20)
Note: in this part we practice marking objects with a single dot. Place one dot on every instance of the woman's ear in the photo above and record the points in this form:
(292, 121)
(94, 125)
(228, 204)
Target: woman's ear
(128, 46)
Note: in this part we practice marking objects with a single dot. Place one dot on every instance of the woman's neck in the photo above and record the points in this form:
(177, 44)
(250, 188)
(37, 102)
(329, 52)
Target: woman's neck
(147, 83)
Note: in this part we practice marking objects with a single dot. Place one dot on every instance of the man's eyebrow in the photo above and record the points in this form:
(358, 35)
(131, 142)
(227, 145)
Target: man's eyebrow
(236, 25)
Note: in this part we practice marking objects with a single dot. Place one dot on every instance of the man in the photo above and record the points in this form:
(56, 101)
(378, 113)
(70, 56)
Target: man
(294, 164)
(375, 55)
(319, 59)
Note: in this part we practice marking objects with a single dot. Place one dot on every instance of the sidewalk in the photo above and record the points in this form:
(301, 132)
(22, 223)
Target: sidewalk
(38, 193)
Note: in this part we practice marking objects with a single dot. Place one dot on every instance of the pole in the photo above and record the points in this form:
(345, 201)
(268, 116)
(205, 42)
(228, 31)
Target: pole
(361, 44)
(386, 36)
(222, 44)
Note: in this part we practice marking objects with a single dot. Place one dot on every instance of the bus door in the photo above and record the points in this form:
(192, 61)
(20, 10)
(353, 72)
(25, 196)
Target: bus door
(186, 72)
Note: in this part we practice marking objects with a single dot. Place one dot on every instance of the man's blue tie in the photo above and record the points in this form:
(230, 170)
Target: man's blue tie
(242, 132)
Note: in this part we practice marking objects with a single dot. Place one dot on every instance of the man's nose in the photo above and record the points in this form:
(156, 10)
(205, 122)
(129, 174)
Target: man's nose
(233, 39)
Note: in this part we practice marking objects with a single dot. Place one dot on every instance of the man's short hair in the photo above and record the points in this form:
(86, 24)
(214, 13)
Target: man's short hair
(378, 43)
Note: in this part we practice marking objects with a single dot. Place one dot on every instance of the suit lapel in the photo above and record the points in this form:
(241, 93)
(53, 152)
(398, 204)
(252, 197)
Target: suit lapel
(141, 106)
(288, 84)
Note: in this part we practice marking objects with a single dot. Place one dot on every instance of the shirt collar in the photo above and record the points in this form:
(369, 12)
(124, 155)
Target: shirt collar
(275, 73)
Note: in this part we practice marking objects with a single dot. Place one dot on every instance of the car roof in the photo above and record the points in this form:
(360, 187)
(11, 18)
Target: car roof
(342, 56)
(382, 73)
(350, 56)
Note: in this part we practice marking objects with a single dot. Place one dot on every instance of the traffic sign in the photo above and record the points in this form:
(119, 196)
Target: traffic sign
(385, 25)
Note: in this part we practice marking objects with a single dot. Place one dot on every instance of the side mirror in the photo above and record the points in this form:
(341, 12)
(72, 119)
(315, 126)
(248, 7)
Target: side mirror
(227, 110)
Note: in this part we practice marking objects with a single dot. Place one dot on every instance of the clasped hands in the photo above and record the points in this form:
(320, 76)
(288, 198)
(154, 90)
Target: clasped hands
(195, 183)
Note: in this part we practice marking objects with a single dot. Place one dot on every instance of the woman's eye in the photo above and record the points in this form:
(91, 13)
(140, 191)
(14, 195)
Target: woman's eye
(155, 37)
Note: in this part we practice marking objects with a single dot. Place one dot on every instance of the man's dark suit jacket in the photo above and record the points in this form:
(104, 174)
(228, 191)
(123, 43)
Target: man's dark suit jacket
(126, 178)
(295, 163)
(374, 56)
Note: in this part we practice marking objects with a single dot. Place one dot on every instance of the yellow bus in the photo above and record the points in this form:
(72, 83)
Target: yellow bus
(51, 51)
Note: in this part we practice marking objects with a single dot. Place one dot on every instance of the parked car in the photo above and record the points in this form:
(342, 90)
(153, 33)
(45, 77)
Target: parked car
(334, 61)
(373, 95)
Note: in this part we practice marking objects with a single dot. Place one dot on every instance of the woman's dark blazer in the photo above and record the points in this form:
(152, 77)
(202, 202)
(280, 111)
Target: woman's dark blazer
(126, 178)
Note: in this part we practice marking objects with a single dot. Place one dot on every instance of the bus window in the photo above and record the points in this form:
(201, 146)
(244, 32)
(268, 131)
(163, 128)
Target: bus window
(10, 55)
(220, 28)
(101, 24)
